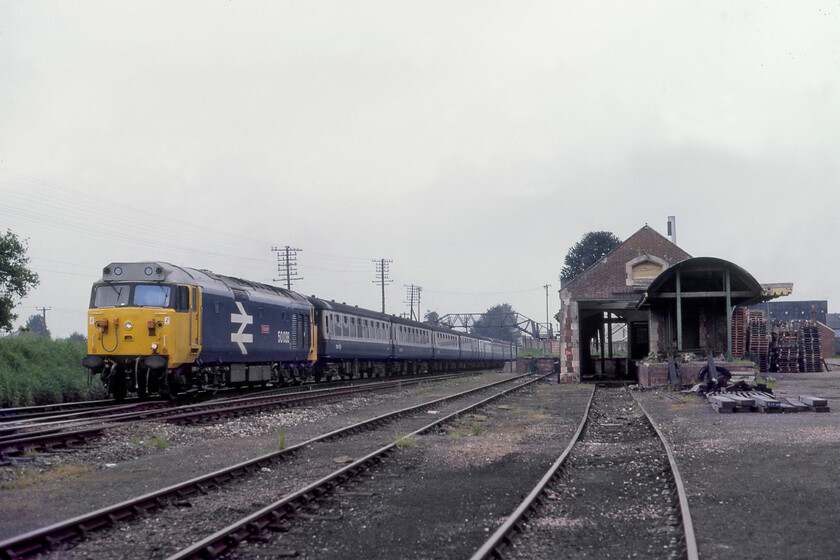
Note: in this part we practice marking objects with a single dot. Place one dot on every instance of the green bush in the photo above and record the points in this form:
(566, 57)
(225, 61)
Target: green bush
(36, 370)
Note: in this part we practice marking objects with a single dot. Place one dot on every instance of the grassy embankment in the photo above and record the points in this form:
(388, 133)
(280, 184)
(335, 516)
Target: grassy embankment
(35, 370)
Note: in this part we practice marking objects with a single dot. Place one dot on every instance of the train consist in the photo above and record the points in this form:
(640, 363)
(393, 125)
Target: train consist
(157, 328)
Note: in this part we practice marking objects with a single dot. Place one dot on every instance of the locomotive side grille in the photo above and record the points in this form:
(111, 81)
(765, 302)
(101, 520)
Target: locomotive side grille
(295, 338)
(300, 326)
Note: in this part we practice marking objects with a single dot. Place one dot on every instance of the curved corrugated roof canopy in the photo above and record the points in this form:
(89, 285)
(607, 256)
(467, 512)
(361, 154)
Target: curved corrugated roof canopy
(704, 277)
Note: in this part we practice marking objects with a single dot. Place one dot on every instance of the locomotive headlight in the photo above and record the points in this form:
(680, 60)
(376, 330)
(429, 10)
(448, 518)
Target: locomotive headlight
(154, 347)
(127, 325)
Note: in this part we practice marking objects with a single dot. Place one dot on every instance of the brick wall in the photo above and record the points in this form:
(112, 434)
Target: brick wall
(607, 279)
(826, 341)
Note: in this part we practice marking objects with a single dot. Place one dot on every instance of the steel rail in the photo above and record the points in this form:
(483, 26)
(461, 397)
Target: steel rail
(15, 419)
(25, 412)
(289, 400)
(80, 431)
(48, 537)
(492, 547)
(10, 423)
(231, 536)
(685, 514)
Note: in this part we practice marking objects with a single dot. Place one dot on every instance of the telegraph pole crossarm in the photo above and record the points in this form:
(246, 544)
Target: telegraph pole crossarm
(287, 264)
(382, 266)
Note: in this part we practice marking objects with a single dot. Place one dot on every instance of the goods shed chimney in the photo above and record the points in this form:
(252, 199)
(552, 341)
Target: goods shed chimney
(672, 229)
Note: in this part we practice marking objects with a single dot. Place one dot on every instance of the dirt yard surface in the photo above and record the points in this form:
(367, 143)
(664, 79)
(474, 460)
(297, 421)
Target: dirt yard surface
(759, 485)
(442, 495)
(763, 486)
(613, 500)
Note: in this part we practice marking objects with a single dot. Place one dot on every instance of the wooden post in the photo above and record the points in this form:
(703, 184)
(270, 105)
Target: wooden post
(679, 313)
(728, 282)
(601, 336)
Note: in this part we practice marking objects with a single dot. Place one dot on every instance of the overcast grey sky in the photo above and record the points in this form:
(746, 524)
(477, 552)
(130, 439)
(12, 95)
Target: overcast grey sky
(471, 142)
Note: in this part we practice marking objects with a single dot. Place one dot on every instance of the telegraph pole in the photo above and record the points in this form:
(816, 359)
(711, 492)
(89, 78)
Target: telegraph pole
(413, 295)
(547, 321)
(287, 261)
(382, 272)
(44, 311)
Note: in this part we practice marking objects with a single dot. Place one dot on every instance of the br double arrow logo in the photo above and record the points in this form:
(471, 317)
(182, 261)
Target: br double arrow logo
(244, 320)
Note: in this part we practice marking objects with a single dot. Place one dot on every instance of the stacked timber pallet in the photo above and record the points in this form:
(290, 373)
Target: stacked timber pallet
(739, 331)
(784, 349)
(758, 339)
(760, 401)
(810, 352)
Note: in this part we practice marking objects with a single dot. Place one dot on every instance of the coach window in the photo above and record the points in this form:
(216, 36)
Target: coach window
(345, 327)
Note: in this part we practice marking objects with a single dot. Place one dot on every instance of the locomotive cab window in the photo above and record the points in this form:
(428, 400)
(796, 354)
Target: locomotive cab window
(141, 295)
(111, 295)
(152, 295)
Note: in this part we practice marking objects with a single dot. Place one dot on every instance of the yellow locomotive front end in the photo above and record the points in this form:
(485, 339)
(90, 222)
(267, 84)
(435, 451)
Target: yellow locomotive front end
(142, 323)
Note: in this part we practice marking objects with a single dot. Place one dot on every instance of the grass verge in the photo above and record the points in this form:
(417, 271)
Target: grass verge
(36, 371)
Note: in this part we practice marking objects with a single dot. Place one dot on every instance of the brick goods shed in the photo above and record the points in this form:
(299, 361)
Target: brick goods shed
(668, 303)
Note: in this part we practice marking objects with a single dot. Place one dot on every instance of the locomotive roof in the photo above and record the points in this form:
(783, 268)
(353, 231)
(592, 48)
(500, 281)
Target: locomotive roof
(157, 271)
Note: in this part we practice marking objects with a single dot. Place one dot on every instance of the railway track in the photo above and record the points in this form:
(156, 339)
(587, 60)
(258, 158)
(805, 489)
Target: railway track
(72, 531)
(77, 428)
(614, 492)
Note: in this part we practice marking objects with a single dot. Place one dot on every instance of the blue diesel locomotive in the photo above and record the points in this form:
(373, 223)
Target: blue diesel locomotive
(154, 327)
